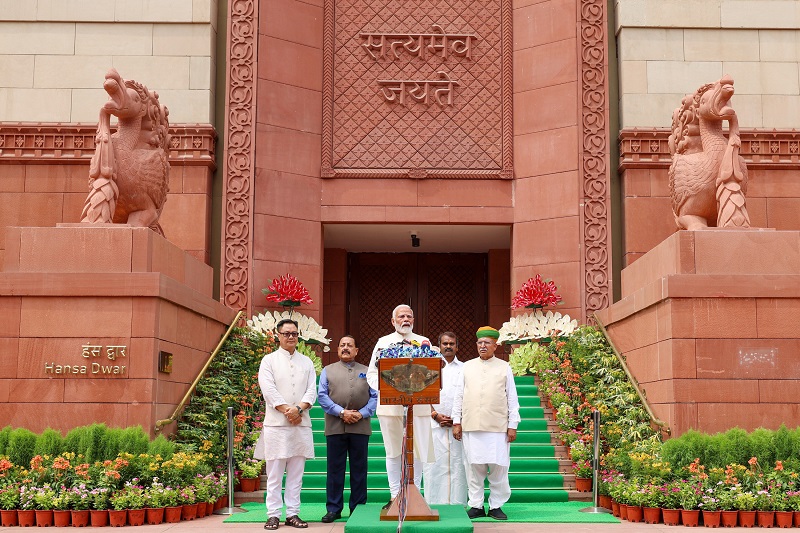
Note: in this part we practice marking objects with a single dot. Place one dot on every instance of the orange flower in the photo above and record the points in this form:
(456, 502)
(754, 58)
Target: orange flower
(61, 464)
(753, 461)
(778, 465)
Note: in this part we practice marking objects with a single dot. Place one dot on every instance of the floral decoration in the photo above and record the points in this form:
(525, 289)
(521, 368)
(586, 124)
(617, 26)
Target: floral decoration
(536, 326)
(408, 349)
(310, 331)
(535, 293)
(287, 290)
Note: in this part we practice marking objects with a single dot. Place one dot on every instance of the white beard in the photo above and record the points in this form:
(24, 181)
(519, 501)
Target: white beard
(404, 330)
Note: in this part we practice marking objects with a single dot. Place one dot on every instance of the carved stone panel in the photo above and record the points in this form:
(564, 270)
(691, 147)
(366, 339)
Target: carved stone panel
(417, 89)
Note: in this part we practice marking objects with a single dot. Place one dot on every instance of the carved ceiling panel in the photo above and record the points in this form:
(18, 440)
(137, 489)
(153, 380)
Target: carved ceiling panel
(417, 89)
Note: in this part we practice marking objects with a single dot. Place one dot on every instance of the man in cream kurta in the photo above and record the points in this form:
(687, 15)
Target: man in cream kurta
(390, 417)
(288, 383)
(486, 416)
(446, 479)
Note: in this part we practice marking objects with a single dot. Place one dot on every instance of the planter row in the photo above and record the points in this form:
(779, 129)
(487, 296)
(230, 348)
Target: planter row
(674, 517)
(131, 517)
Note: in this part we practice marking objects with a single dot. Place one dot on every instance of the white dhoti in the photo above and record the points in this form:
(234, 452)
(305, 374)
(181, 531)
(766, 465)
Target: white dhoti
(488, 455)
(286, 450)
(392, 432)
(446, 478)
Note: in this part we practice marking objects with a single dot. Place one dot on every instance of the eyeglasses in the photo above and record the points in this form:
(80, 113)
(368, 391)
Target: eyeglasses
(290, 334)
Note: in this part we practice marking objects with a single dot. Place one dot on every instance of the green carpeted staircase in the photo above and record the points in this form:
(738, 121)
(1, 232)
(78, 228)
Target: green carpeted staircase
(535, 474)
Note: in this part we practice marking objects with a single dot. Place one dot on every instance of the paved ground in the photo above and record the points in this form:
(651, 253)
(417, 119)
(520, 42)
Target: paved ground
(213, 524)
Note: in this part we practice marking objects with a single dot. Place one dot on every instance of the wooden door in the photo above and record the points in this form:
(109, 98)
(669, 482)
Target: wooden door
(448, 292)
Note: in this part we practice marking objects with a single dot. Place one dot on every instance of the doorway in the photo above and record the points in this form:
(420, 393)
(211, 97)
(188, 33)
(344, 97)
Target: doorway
(448, 292)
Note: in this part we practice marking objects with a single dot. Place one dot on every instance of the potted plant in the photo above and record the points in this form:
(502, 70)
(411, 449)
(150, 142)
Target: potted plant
(44, 500)
(170, 497)
(189, 507)
(746, 504)
(9, 503)
(726, 495)
(98, 513)
(653, 499)
(671, 502)
(80, 500)
(61, 511)
(154, 503)
(710, 506)
(765, 508)
(249, 472)
(690, 497)
(780, 503)
(793, 499)
(27, 506)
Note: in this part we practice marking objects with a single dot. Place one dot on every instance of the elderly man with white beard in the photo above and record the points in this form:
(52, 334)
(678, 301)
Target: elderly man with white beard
(390, 417)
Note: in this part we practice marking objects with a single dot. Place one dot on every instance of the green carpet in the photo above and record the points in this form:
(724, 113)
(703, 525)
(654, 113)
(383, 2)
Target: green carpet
(257, 512)
(552, 513)
(452, 517)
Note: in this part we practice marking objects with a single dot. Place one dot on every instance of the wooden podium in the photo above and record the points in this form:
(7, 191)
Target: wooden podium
(408, 382)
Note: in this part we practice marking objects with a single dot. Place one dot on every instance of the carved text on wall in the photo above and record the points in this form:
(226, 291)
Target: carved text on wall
(460, 44)
(420, 90)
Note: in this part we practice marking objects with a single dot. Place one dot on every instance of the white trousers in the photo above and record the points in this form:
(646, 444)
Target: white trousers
(499, 489)
(393, 467)
(446, 479)
(294, 468)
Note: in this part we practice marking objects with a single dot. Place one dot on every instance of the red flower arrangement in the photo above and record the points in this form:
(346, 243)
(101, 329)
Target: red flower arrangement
(287, 290)
(536, 293)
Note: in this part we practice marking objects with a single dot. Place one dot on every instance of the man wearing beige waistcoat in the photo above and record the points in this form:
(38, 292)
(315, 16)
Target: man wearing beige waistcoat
(485, 418)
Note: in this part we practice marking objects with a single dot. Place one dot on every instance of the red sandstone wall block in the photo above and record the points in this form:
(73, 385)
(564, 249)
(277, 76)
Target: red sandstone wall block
(543, 197)
(777, 318)
(143, 363)
(545, 108)
(10, 316)
(643, 362)
(301, 240)
(82, 317)
(703, 391)
(63, 357)
(12, 178)
(137, 413)
(282, 61)
(648, 221)
(541, 153)
(274, 188)
(288, 106)
(287, 150)
(783, 213)
(675, 255)
(714, 318)
(180, 215)
(283, 16)
(9, 349)
(370, 214)
(434, 215)
(543, 22)
(635, 331)
(108, 391)
(363, 192)
(742, 252)
(783, 391)
(555, 63)
(636, 182)
(767, 358)
(51, 250)
(168, 321)
(468, 193)
(677, 359)
(37, 390)
(543, 241)
(63, 416)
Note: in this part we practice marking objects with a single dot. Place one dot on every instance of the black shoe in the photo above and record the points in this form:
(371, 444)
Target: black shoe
(389, 504)
(330, 517)
(476, 512)
(498, 514)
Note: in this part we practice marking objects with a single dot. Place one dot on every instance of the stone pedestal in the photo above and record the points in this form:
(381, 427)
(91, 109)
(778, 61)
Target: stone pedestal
(85, 312)
(709, 323)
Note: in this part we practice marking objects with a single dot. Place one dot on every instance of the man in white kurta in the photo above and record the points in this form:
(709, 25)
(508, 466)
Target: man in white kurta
(485, 417)
(288, 383)
(446, 478)
(390, 417)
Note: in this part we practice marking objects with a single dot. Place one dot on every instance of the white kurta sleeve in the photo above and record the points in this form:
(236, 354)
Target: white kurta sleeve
(266, 380)
(458, 399)
(310, 395)
(372, 370)
(513, 400)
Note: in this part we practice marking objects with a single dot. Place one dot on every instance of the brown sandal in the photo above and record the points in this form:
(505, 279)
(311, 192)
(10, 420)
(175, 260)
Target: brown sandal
(272, 523)
(295, 521)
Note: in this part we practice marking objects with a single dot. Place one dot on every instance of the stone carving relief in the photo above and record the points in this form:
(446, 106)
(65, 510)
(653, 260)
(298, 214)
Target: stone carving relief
(412, 92)
(129, 172)
(708, 177)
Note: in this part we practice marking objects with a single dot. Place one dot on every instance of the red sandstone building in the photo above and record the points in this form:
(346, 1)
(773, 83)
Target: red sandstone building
(322, 138)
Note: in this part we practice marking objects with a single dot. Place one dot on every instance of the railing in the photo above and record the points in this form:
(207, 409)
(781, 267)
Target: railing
(663, 427)
(175, 414)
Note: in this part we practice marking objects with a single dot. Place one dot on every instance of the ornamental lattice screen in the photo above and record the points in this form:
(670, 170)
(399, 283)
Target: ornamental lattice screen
(446, 292)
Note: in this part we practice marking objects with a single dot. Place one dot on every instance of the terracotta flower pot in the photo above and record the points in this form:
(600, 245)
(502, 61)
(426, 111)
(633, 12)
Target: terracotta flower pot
(26, 517)
(712, 518)
(201, 509)
(9, 518)
(623, 511)
(765, 518)
(44, 518)
(189, 512)
(583, 484)
(783, 518)
(672, 517)
(614, 508)
(80, 518)
(209, 508)
(747, 518)
(605, 501)
(249, 484)
(652, 515)
(797, 519)
(221, 502)
(729, 518)
(635, 513)
(172, 515)
(99, 518)
(61, 517)
(136, 517)
(690, 518)
(155, 515)
(117, 518)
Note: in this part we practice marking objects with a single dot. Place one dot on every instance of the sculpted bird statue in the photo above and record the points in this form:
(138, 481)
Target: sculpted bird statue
(708, 177)
(129, 172)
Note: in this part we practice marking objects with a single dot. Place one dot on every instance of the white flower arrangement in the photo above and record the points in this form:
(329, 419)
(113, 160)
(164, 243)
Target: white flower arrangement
(536, 325)
(310, 331)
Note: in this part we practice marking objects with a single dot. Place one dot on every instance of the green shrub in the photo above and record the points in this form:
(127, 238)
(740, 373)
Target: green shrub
(21, 445)
(77, 440)
(96, 448)
(782, 440)
(111, 443)
(4, 434)
(736, 447)
(763, 447)
(161, 446)
(134, 440)
(796, 444)
(50, 442)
